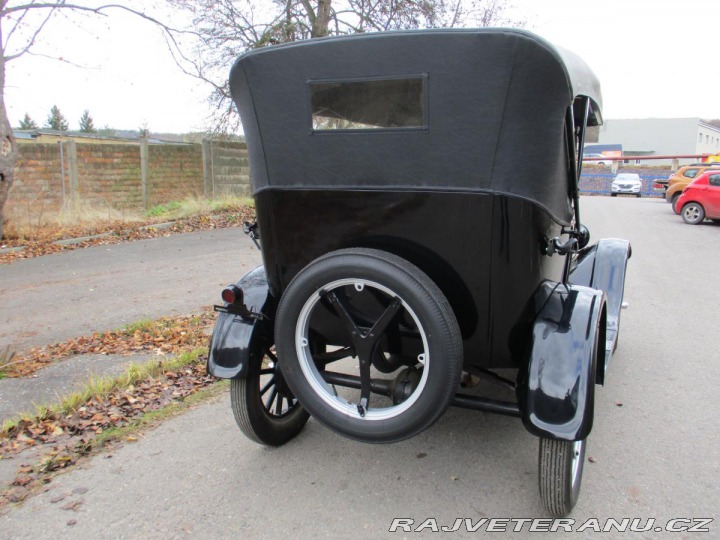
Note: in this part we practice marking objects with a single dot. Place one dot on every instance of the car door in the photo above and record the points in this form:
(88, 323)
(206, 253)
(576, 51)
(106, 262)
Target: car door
(712, 196)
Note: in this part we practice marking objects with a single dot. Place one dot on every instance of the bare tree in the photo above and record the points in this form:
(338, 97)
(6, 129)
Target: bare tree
(226, 28)
(21, 24)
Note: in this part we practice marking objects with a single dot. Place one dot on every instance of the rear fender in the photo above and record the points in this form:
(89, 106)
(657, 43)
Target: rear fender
(603, 266)
(557, 392)
(234, 336)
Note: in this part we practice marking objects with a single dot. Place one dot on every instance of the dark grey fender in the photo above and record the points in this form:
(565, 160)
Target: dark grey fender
(233, 336)
(557, 392)
(602, 266)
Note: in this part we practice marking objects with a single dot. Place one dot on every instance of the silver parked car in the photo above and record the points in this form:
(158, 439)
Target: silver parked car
(626, 184)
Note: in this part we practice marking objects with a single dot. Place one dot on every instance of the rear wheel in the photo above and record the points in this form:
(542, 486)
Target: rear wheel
(265, 409)
(693, 213)
(560, 473)
(394, 352)
(674, 201)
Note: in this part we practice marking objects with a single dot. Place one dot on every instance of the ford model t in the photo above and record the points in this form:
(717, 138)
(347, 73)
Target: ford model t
(417, 207)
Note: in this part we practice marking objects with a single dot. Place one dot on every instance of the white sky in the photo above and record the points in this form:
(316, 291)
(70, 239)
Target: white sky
(654, 58)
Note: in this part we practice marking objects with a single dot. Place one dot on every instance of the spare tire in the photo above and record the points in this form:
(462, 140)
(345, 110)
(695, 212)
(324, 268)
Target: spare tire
(368, 306)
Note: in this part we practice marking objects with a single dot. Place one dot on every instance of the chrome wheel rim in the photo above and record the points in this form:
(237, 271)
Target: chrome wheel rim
(692, 213)
(326, 391)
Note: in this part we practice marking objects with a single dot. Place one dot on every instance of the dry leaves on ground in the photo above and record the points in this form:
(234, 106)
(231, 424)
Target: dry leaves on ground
(43, 242)
(65, 437)
(163, 336)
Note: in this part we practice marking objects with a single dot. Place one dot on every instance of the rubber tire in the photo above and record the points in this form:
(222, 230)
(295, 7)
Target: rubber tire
(613, 194)
(557, 492)
(250, 414)
(435, 316)
(673, 202)
(701, 214)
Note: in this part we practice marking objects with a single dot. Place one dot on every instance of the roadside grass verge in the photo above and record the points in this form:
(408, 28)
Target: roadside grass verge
(105, 413)
(167, 335)
(195, 206)
(190, 215)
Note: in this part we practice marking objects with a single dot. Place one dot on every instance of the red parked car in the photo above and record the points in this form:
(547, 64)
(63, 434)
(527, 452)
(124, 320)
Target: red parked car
(701, 199)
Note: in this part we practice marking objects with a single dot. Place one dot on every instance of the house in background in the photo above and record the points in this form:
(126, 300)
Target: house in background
(661, 137)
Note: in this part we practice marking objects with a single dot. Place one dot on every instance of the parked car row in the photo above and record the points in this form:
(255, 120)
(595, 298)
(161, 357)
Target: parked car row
(701, 198)
(682, 179)
(693, 191)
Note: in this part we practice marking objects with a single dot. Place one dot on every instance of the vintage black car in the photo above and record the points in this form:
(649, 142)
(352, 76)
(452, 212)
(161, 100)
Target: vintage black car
(417, 206)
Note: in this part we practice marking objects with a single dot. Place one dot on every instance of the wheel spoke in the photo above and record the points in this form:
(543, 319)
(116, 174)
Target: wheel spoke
(365, 385)
(278, 405)
(267, 371)
(341, 309)
(386, 318)
(271, 400)
(265, 388)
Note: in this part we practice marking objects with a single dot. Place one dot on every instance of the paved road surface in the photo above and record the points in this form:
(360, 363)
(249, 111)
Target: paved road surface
(656, 456)
(49, 299)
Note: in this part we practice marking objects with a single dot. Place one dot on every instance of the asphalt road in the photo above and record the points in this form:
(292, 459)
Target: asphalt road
(65, 295)
(655, 457)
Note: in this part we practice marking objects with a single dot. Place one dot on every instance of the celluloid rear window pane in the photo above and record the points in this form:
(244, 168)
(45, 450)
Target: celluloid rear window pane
(376, 104)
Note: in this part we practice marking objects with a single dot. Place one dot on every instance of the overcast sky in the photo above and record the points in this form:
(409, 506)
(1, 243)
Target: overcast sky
(654, 58)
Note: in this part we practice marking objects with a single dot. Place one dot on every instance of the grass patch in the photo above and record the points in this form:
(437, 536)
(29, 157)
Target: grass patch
(36, 222)
(164, 336)
(98, 388)
(104, 411)
(154, 417)
(197, 206)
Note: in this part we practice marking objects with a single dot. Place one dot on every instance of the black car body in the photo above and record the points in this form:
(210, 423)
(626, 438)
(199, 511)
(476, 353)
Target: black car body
(417, 206)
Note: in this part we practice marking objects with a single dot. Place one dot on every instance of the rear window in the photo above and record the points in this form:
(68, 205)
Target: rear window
(691, 173)
(369, 104)
(714, 179)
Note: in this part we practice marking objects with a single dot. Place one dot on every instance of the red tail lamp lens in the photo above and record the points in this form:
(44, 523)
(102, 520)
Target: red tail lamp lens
(232, 294)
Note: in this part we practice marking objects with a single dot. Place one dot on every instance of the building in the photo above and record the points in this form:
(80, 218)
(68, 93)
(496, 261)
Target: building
(661, 137)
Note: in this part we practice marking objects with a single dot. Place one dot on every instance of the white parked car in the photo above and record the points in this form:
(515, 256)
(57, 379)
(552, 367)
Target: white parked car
(626, 184)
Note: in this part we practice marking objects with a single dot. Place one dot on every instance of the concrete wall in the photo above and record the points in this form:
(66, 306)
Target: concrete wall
(121, 176)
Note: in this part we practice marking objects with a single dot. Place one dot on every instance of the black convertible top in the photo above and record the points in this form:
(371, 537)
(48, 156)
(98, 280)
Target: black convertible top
(480, 110)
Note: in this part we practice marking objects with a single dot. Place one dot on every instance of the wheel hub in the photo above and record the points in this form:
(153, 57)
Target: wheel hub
(405, 384)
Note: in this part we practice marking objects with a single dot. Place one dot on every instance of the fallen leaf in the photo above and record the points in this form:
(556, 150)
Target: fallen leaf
(591, 459)
(72, 505)
(22, 481)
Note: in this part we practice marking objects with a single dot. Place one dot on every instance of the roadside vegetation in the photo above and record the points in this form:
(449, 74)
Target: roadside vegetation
(37, 233)
(107, 411)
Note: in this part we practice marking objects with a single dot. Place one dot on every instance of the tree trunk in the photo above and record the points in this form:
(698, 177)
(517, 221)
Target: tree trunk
(322, 19)
(8, 149)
